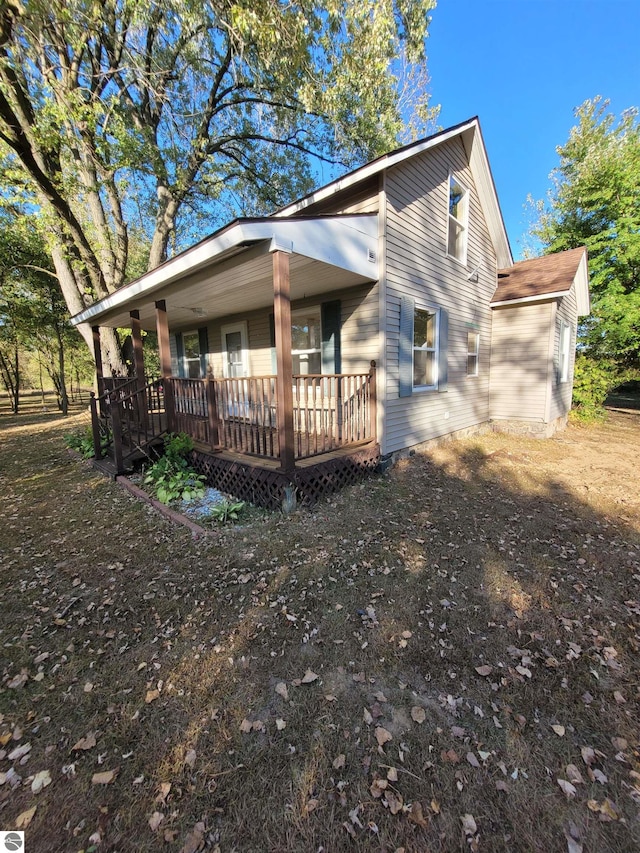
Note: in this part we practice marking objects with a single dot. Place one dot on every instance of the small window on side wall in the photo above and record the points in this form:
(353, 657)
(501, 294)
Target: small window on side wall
(457, 220)
(473, 353)
(565, 352)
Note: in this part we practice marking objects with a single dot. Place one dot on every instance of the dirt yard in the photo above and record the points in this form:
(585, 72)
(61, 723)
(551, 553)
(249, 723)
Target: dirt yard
(442, 658)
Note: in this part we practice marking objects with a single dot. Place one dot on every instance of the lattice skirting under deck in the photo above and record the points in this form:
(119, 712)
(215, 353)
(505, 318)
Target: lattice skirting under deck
(266, 488)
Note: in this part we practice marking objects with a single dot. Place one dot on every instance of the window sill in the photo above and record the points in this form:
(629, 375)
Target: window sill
(420, 389)
(463, 263)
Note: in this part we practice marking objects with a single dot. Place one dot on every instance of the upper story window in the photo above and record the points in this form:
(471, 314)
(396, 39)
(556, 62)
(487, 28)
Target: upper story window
(457, 220)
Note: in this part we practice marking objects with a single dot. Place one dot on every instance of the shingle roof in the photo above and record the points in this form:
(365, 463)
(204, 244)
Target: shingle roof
(538, 277)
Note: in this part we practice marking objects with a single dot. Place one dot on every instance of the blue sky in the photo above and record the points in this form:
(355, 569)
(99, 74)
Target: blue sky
(523, 66)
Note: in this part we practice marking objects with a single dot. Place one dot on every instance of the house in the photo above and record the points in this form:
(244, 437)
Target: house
(381, 311)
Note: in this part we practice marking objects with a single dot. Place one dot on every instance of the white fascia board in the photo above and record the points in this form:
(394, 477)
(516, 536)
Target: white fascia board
(541, 297)
(373, 168)
(581, 284)
(345, 242)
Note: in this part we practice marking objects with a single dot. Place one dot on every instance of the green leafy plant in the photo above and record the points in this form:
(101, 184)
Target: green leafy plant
(82, 442)
(171, 478)
(227, 511)
(593, 380)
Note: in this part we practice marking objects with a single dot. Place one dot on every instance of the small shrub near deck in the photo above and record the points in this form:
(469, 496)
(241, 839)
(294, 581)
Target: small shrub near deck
(171, 478)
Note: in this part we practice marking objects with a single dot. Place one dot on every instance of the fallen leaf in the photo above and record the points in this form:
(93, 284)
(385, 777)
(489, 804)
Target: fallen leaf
(19, 680)
(619, 743)
(382, 735)
(19, 752)
(484, 670)
(394, 801)
(280, 724)
(339, 761)
(435, 806)
(155, 820)
(258, 726)
(163, 792)
(151, 696)
(367, 716)
(244, 578)
(418, 714)
(574, 775)
(378, 787)
(559, 730)
(104, 778)
(416, 815)
(87, 742)
(469, 825)
(194, 840)
(282, 690)
(392, 774)
(606, 810)
(88, 687)
(40, 781)
(597, 775)
(473, 761)
(24, 818)
(190, 758)
(245, 726)
(617, 695)
(567, 787)
(309, 677)
(588, 755)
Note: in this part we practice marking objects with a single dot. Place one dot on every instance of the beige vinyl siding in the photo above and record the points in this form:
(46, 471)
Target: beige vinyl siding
(521, 361)
(561, 391)
(359, 334)
(417, 265)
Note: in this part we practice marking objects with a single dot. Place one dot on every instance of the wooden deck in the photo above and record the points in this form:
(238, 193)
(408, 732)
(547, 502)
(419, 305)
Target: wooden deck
(238, 441)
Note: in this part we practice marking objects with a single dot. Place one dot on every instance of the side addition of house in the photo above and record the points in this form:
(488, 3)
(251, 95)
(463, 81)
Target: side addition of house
(380, 312)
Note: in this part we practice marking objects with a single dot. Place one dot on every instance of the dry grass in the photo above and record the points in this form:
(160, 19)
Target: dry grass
(497, 552)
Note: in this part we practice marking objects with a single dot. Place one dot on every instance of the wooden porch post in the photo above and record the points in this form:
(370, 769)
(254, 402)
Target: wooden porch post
(284, 361)
(138, 360)
(97, 356)
(162, 328)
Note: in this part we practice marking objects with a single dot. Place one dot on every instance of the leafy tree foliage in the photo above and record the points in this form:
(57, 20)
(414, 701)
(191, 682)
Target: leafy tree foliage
(160, 119)
(595, 202)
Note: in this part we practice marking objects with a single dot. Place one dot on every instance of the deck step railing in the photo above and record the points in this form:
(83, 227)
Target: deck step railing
(126, 418)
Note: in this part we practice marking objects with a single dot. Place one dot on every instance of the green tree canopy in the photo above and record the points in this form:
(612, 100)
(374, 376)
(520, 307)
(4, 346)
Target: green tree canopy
(595, 202)
(165, 118)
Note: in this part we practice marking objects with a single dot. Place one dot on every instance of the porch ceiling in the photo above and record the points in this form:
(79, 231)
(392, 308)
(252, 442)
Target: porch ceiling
(231, 272)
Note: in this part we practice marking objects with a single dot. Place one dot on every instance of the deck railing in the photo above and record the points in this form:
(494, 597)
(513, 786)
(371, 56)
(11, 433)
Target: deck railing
(329, 412)
(240, 415)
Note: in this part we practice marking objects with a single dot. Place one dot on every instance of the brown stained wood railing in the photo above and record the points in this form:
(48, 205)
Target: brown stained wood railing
(240, 414)
(246, 408)
(332, 411)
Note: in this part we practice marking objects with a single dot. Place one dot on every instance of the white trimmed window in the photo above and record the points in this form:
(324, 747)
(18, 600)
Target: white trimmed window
(306, 341)
(191, 349)
(565, 351)
(457, 220)
(473, 353)
(425, 349)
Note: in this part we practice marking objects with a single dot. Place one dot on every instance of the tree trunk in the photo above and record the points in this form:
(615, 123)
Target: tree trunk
(64, 399)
